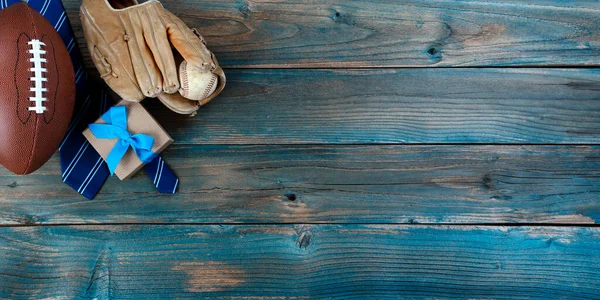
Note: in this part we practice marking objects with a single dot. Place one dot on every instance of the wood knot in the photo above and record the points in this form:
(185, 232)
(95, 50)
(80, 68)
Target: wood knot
(487, 181)
(337, 16)
(304, 240)
(432, 51)
(30, 220)
(243, 7)
(342, 19)
(290, 196)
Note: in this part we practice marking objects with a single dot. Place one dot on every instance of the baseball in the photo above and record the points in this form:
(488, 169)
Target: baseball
(196, 84)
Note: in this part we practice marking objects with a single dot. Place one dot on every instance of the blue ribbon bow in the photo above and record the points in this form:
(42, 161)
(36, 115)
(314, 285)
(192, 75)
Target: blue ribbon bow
(116, 127)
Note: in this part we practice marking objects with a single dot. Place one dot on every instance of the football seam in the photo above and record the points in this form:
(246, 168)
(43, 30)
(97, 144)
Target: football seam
(32, 148)
(37, 120)
(53, 113)
(15, 80)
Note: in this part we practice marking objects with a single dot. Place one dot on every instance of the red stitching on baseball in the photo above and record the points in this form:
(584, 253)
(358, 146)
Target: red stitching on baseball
(184, 79)
(210, 85)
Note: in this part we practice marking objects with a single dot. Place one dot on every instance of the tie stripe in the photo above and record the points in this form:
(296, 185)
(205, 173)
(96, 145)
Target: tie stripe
(75, 160)
(71, 45)
(79, 74)
(60, 22)
(164, 179)
(162, 164)
(90, 175)
(175, 186)
(45, 7)
(82, 167)
(156, 174)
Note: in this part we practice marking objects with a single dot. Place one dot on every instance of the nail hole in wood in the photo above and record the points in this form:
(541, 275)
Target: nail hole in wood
(291, 196)
(432, 51)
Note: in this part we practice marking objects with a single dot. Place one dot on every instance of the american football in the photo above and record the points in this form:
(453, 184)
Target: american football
(37, 89)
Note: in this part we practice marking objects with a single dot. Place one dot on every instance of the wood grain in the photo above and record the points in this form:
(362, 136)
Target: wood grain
(330, 184)
(370, 33)
(342, 182)
(300, 261)
(396, 106)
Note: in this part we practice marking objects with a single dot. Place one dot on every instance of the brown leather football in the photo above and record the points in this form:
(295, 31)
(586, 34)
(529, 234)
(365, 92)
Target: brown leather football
(37, 89)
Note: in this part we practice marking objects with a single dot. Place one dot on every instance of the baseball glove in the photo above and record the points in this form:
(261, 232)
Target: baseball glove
(133, 47)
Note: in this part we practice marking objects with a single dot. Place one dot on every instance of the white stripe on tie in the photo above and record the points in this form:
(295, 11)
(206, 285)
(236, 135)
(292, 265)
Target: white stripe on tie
(162, 163)
(80, 72)
(157, 167)
(71, 45)
(41, 11)
(98, 168)
(76, 155)
(175, 187)
(59, 20)
(89, 174)
(45, 7)
(94, 170)
(74, 162)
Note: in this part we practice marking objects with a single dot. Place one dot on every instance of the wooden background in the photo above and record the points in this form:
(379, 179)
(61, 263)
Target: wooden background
(361, 149)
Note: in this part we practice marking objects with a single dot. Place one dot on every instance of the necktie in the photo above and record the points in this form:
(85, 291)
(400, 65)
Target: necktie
(82, 167)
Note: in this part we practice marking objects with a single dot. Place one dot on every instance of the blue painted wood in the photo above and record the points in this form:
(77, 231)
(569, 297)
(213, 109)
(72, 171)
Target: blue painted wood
(360, 33)
(396, 106)
(330, 184)
(318, 261)
(341, 170)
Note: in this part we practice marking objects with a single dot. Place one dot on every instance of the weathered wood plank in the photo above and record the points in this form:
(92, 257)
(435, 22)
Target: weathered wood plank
(330, 184)
(319, 261)
(353, 33)
(396, 106)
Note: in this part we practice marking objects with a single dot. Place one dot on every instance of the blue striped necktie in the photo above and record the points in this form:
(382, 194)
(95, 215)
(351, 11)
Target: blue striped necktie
(82, 167)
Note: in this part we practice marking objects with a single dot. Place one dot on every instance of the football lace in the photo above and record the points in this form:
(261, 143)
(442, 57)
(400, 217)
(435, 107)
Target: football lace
(38, 78)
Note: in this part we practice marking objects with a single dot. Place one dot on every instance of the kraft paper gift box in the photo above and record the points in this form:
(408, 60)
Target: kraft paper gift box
(139, 120)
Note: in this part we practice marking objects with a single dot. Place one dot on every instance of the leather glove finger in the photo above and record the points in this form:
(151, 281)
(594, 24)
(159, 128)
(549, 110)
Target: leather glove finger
(119, 77)
(186, 42)
(179, 104)
(155, 34)
(148, 75)
(220, 84)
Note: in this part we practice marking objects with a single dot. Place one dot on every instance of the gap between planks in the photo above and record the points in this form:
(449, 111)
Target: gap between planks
(270, 224)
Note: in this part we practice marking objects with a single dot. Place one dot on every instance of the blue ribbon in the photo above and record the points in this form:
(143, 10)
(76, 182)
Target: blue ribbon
(116, 128)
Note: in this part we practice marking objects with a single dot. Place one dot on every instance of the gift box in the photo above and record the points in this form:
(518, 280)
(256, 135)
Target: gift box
(143, 139)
